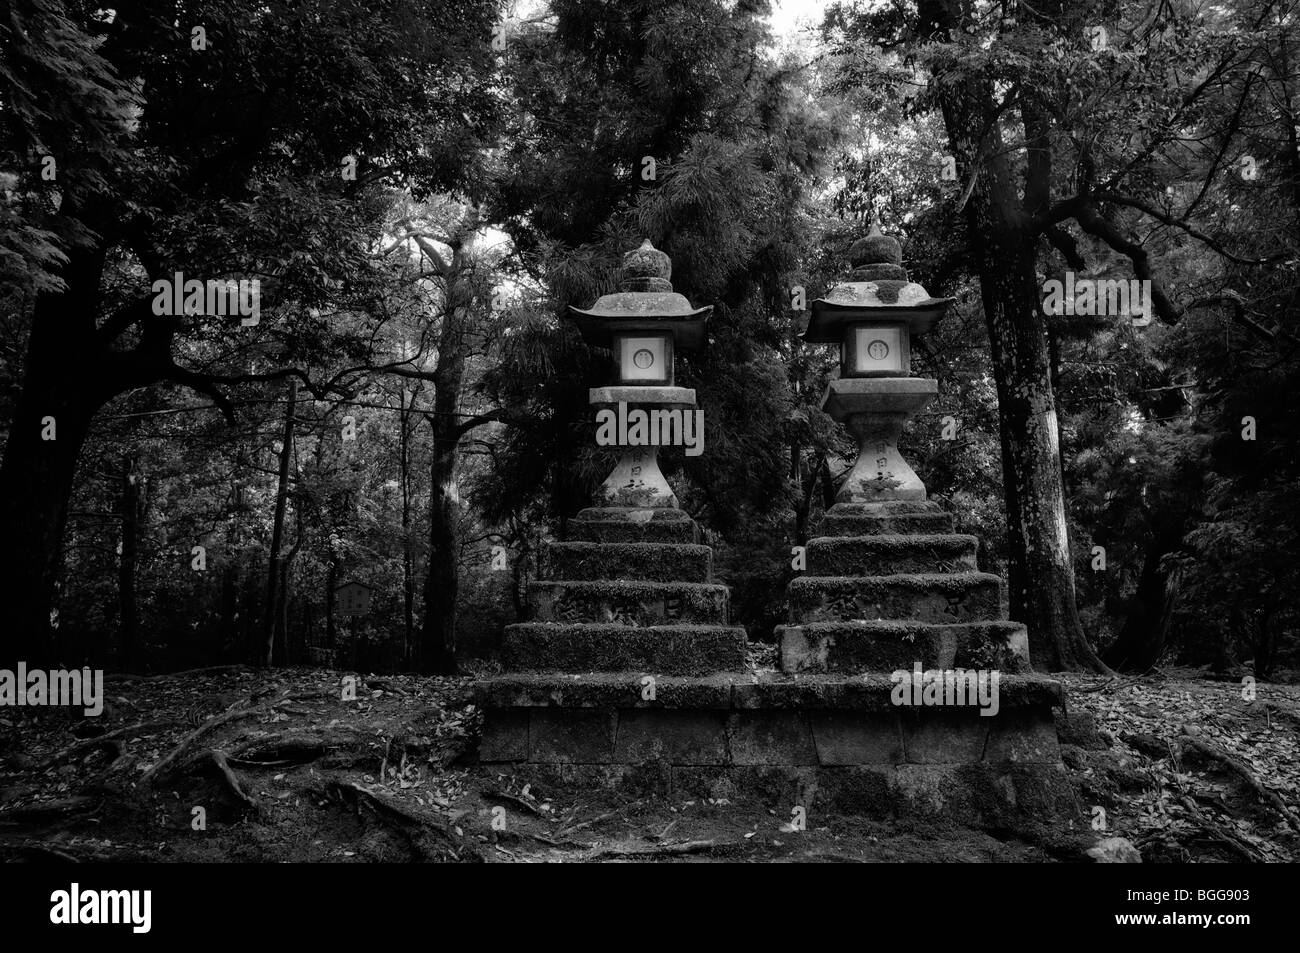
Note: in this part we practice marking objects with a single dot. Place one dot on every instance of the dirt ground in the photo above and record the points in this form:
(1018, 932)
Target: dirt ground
(237, 765)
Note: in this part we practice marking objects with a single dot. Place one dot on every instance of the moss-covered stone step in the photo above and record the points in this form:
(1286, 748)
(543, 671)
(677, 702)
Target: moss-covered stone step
(739, 690)
(921, 597)
(891, 645)
(887, 554)
(651, 562)
(624, 602)
(892, 517)
(615, 524)
(659, 649)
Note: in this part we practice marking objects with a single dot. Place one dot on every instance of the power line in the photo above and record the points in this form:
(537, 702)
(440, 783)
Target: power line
(274, 401)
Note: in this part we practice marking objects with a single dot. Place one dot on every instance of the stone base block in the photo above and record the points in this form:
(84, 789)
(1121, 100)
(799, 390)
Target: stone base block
(986, 794)
(728, 720)
(828, 743)
(713, 736)
(871, 692)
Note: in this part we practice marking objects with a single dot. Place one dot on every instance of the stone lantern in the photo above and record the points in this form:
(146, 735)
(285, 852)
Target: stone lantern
(873, 317)
(628, 673)
(642, 324)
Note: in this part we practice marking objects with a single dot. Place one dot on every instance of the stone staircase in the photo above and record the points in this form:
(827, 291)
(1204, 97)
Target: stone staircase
(630, 675)
(892, 585)
(890, 588)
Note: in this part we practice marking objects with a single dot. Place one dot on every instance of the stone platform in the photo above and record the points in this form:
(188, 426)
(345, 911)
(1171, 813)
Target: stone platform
(629, 674)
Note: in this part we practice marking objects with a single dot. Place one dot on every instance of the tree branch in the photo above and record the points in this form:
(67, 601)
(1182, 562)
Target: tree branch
(1085, 204)
(1064, 242)
(1134, 202)
(1090, 221)
(465, 426)
(203, 385)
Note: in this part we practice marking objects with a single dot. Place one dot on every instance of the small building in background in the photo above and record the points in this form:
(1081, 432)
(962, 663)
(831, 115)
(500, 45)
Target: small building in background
(353, 598)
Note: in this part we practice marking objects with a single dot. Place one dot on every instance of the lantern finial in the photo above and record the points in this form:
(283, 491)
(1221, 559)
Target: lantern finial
(646, 268)
(878, 256)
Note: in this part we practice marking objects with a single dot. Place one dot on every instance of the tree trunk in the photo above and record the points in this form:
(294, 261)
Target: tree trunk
(331, 583)
(438, 644)
(36, 477)
(1142, 638)
(438, 639)
(274, 593)
(1262, 641)
(70, 370)
(281, 635)
(288, 655)
(128, 614)
(1004, 248)
(519, 583)
(229, 610)
(1041, 573)
(408, 561)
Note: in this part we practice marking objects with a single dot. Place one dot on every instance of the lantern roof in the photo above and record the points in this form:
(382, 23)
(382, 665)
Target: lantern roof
(878, 289)
(645, 302)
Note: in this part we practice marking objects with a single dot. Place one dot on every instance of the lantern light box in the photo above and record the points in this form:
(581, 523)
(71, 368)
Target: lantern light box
(876, 350)
(644, 358)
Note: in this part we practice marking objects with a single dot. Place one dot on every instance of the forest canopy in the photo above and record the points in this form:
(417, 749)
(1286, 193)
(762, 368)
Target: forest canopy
(422, 189)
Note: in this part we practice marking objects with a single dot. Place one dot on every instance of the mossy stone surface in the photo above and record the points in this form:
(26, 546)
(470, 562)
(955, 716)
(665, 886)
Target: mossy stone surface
(631, 603)
(888, 553)
(918, 597)
(887, 645)
(638, 561)
(591, 647)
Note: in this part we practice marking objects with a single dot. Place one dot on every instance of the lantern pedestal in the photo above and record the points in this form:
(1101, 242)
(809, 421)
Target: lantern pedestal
(874, 410)
(636, 480)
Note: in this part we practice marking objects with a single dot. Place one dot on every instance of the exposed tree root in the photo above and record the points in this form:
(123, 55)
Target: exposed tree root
(46, 812)
(99, 783)
(315, 696)
(414, 827)
(1220, 834)
(543, 839)
(90, 744)
(1214, 753)
(1113, 683)
(165, 763)
(217, 758)
(40, 851)
(384, 684)
(514, 800)
(209, 670)
(294, 710)
(570, 828)
(274, 751)
(661, 850)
